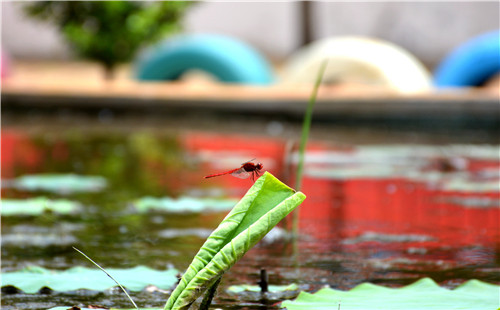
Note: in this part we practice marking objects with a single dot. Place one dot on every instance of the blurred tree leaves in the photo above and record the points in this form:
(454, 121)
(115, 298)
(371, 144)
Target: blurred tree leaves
(111, 32)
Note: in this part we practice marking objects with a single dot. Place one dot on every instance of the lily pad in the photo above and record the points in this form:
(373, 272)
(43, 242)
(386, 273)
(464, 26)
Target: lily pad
(425, 294)
(38, 205)
(23, 235)
(177, 232)
(474, 202)
(235, 289)
(469, 185)
(183, 204)
(59, 183)
(387, 238)
(23, 240)
(31, 279)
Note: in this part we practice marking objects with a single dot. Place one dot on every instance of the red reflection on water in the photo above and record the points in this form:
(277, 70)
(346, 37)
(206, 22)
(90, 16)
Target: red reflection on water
(336, 207)
(223, 152)
(352, 206)
(18, 150)
(400, 206)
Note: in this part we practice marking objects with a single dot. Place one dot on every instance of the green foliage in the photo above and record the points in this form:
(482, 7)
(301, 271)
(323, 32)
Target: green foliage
(266, 203)
(423, 294)
(31, 279)
(111, 32)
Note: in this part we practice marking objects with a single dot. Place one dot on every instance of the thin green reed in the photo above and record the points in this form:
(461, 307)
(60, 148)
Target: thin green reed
(306, 126)
(103, 270)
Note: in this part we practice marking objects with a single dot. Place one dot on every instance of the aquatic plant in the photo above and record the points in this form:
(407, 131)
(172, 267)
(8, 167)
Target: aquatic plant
(265, 204)
(422, 294)
(33, 279)
(306, 126)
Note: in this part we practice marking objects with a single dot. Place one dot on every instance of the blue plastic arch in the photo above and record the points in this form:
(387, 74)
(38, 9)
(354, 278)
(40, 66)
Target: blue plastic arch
(472, 63)
(228, 59)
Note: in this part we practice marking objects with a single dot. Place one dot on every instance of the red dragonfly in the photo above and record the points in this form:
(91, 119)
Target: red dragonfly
(247, 169)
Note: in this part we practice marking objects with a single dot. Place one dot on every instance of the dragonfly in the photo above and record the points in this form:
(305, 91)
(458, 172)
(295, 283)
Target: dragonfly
(247, 169)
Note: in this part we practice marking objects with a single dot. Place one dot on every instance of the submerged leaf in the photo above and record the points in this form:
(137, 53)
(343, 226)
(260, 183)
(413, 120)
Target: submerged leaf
(266, 203)
(183, 204)
(425, 294)
(38, 205)
(31, 279)
(59, 183)
(235, 289)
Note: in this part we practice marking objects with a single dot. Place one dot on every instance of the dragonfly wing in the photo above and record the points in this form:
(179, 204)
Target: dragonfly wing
(249, 161)
(241, 173)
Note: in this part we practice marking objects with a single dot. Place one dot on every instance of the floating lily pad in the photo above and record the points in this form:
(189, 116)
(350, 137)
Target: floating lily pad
(175, 233)
(275, 293)
(59, 233)
(473, 202)
(31, 279)
(184, 204)
(411, 162)
(59, 183)
(38, 205)
(472, 186)
(37, 240)
(388, 238)
(425, 294)
(235, 289)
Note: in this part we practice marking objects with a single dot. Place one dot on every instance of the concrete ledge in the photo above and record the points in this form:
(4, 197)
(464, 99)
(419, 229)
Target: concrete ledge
(76, 87)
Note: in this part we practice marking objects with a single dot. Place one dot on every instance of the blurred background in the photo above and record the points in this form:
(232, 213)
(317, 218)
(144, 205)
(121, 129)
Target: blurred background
(113, 111)
(428, 30)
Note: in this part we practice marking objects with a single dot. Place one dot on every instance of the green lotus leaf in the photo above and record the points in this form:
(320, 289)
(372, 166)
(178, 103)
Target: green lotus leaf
(38, 205)
(235, 289)
(183, 204)
(59, 183)
(31, 279)
(266, 203)
(425, 294)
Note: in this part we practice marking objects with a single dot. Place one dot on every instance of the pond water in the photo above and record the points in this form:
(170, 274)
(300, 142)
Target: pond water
(383, 206)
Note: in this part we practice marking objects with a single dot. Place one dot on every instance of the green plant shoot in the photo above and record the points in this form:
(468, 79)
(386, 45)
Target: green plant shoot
(306, 126)
(265, 204)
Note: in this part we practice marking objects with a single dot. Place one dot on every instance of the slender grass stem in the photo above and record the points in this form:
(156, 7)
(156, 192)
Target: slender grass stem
(123, 289)
(306, 126)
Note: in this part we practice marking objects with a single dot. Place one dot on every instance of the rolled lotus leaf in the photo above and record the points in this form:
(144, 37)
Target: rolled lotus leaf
(265, 204)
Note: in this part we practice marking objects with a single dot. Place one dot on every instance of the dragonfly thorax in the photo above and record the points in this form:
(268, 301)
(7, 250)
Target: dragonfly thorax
(249, 167)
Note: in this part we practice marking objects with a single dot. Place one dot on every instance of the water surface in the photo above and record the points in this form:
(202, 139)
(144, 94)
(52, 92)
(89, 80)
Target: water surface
(384, 206)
